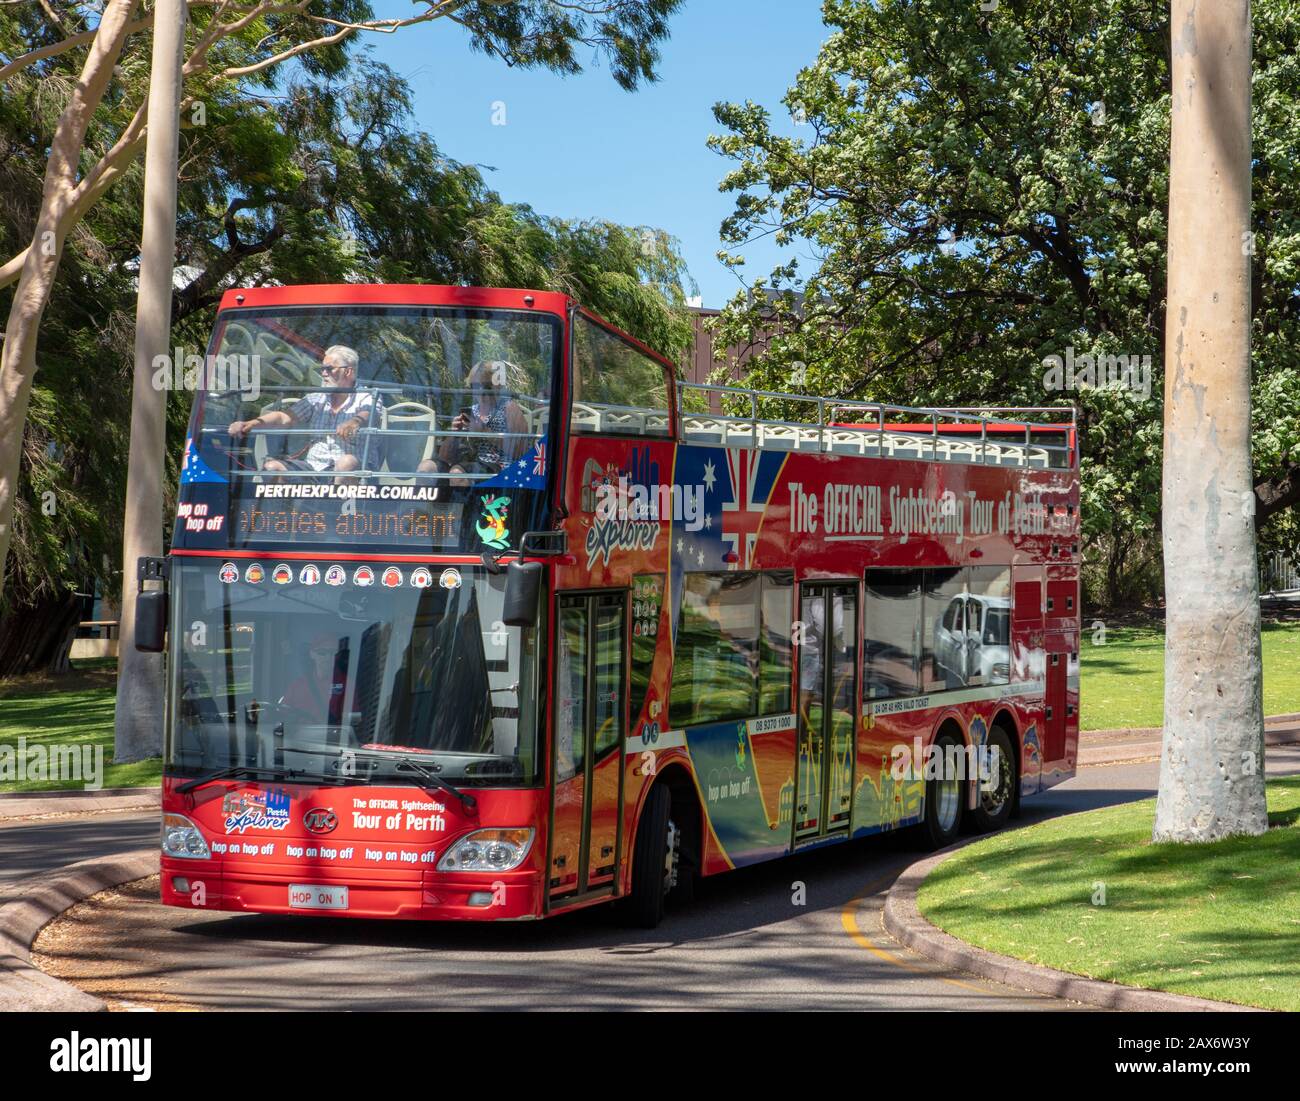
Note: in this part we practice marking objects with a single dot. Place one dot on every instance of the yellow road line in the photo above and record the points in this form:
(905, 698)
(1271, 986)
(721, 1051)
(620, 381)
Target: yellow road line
(849, 919)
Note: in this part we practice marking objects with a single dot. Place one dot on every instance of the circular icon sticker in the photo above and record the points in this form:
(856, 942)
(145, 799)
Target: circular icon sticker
(309, 575)
(363, 576)
(229, 573)
(336, 575)
(392, 577)
(254, 574)
(450, 579)
(282, 574)
(421, 578)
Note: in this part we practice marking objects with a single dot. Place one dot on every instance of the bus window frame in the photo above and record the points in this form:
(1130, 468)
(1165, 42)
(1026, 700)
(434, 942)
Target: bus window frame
(670, 380)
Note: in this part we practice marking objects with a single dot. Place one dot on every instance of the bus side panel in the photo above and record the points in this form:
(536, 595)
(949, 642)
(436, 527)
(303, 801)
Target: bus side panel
(888, 797)
(747, 784)
(1028, 669)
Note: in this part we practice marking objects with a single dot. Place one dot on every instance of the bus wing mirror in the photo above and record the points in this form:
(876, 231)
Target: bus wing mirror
(150, 621)
(523, 592)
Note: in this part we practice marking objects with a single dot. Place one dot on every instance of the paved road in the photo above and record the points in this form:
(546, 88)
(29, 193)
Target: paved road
(30, 847)
(742, 945)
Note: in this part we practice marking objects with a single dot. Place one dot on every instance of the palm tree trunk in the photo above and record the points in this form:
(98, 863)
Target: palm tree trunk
(1212, 762)
(138, 719)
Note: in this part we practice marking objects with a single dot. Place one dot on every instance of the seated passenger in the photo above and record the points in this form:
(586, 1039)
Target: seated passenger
(493, 410)
(337, 417)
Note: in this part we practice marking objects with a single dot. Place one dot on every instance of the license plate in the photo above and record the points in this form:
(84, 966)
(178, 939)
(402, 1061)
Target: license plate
(307, 896)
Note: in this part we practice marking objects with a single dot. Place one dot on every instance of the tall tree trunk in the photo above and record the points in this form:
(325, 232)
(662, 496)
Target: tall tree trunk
(138, 719)
(1212, 762)
(35, 636)
(41, 264)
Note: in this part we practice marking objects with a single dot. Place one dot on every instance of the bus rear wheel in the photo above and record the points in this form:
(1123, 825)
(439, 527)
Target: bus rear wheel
(945, 795)
(655, 857)
(994, 801)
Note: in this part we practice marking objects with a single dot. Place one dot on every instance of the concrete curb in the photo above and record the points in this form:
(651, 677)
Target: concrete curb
(32, 804)
(26, 989)
(904, 922)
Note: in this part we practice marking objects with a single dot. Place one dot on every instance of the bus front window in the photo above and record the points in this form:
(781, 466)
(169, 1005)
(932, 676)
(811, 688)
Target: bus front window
(345, 672)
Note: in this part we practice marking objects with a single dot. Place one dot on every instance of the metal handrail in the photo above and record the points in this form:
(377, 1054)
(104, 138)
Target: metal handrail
(960, 414)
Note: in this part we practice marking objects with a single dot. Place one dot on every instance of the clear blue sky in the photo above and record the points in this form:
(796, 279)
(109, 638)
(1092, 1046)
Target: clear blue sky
(580, 147)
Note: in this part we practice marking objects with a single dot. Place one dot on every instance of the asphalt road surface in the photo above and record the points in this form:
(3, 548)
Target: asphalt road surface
(743, 944)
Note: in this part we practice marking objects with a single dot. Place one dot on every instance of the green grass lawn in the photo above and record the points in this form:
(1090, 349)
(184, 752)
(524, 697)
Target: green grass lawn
(73, 710)
(1214, 921)
(1122, 683)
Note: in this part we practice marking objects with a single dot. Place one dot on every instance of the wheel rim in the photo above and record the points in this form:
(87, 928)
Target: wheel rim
(672, 856)
(947, 802)
(993, 800)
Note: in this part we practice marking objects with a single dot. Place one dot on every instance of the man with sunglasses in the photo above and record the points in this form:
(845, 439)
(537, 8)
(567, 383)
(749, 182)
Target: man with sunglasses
(337, 417)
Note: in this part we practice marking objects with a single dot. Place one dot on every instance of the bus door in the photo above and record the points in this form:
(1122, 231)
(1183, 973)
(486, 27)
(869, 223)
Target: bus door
(586, 765)
(828, 666)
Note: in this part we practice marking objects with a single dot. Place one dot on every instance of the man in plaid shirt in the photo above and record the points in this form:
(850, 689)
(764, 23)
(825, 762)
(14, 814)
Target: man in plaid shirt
(336, 417)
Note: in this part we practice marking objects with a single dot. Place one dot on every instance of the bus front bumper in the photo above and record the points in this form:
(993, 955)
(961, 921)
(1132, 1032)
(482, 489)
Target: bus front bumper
(292, 889)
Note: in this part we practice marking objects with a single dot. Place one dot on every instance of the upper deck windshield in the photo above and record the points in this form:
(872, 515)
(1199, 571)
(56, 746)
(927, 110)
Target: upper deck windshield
(400, 425)
(350, 673)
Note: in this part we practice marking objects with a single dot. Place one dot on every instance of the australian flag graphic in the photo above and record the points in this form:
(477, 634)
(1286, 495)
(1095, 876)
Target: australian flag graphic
(526, 472)
(194, 469)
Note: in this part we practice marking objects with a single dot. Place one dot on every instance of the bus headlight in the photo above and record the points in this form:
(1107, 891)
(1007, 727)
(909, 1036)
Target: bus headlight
(488, 851)
(181, 837)
(1001, 672)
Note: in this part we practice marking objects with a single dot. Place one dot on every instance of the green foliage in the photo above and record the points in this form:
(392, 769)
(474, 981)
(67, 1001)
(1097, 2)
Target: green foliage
(980, 190)
(309, 172)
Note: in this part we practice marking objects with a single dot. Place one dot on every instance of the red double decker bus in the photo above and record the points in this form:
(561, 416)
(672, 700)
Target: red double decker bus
(475, 611)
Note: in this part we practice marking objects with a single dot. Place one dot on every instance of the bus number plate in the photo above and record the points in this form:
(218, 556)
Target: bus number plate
(307, 896)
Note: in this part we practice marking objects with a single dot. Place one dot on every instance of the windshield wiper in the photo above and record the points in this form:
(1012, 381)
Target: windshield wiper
(467, 801)
(237, 770)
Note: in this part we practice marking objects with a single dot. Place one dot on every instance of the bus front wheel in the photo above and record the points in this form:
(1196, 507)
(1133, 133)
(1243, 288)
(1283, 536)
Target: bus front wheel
(655, 856)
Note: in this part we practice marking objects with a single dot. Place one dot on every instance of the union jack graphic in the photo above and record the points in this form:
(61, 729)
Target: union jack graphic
(743, 514)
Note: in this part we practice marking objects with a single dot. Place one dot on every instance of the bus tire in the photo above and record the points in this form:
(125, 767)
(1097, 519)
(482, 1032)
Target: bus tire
(651, 853)
(944, 800)
(993, 808)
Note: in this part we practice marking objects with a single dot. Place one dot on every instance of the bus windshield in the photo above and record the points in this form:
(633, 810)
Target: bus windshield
(350, 672)
(428, 423)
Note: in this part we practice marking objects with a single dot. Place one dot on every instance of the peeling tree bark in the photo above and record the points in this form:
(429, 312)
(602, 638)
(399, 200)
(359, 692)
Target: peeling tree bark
(41, 262)
(1212, 761)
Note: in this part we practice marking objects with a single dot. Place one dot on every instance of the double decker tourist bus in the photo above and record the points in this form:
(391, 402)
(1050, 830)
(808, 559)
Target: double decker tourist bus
(474, 610)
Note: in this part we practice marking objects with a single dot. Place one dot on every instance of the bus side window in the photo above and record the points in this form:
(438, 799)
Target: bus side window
(617, 388)
(891, 642)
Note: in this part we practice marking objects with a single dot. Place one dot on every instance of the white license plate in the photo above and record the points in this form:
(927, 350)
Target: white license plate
(307, 896)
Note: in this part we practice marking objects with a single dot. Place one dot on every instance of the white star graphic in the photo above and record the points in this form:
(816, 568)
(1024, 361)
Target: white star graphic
(679, 545)
(709, 476)
(708, 521)
(700, 558)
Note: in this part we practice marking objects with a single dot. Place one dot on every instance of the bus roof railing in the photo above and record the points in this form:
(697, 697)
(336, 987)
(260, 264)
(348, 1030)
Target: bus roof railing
(887, 431)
